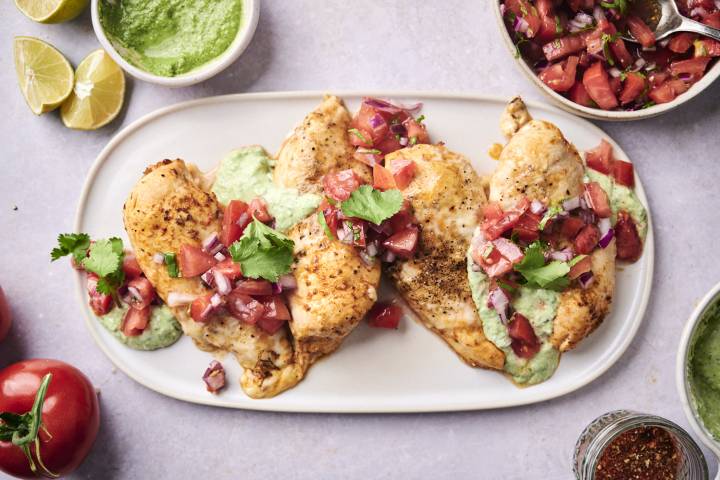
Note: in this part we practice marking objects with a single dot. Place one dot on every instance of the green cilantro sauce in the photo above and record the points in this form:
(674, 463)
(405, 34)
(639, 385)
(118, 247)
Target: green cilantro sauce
(703, 369)
(539, 307)
(246, 173)
(162, 331)
(170, 37)
(621, 198)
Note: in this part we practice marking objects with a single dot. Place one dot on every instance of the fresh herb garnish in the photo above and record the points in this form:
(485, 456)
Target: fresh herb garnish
(171, 264)
(75, 244)
(263, 252)
(323, 223)
(551, 213)
(538, 274)
(520, 40)
(606, 41)
(105, 259)
(420, 119)
(372, 205)
(413, 140)
(558, 26)
(619, 5)
(357, 133)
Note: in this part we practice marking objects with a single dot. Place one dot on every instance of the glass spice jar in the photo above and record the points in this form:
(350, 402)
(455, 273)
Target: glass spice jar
(603, 430)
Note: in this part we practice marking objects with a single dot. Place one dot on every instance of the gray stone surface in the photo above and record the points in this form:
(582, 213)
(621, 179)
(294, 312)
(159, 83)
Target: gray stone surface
(305, 44)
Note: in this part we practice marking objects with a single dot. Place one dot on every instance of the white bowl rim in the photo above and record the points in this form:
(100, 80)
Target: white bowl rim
(250, 16)
(680, 369)
(597, 113)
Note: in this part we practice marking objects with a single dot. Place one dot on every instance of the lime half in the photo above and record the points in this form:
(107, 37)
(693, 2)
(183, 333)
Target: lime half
(44, 74)
(98, 94)
(51, 11)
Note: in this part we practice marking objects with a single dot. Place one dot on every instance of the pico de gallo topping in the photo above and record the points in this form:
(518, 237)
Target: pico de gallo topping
(385, 315)
(214, 377)
(114, 278)
(574, 47)
(246, 265)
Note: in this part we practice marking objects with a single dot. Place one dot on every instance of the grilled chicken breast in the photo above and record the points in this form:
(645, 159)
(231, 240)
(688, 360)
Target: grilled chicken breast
(540, 164)
(445, 194)
(336, 288)
(168, 208)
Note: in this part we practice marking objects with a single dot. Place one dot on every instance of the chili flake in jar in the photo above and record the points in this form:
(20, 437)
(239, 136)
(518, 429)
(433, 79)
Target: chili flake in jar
(643, 453)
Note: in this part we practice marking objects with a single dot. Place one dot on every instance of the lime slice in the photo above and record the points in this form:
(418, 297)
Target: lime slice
(51, 11)
(98, 93)
(44, 74)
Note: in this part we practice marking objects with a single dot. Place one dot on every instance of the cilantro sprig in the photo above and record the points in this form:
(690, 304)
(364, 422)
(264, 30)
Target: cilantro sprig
(372, 205)
(75, 244)
(103, 258)
(263, 252)
(538, 274)
(620, 5)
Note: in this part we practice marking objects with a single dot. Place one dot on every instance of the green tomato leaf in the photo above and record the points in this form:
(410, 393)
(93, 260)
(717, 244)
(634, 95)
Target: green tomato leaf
(372, 205)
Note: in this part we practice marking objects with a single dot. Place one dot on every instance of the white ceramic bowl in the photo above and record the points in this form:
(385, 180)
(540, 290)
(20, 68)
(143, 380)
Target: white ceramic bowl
(681, 370)
(250, 16)
(596, 113)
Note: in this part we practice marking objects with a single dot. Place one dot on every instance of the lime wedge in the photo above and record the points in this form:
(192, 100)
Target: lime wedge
(98, 93)
(51, 11)
(44, 74)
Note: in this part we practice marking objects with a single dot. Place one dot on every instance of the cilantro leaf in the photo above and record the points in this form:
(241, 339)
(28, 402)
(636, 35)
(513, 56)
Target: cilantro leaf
(551, 213)
(537, 274)
(75, 244)
(171, 264)
(372, 205)
(105, 259)
(323, 223)
(263, 252)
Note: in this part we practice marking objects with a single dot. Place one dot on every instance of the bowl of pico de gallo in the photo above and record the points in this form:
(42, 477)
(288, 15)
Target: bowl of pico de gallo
(572, 50)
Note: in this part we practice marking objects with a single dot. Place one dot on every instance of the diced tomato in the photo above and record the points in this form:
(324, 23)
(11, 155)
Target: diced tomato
(259, 209)
(193, 261)
(691, 66)
(562, 47)
(619, 49)
(527, 227)
(491, 260)
(352, 231)
(641, 31)
(525, 10)
(681, 42)
(389, 144)
(600, 158)
(402, 219)
(372, 124)
(382, 178)
(597, 199)
(416, 130)
(624, 173)
(544, 7)
(629, 245)
(144, 290)
(201, 308)
(492, 211)
(616, 85)
(135, 321)
(508, 249)
(633, 86)
(99, 302)
(360, 138)
(662, 93)
(548, 29)
(678, 86)
(712, 19)
(707, 47)
(658, 78)
(586, 240)
(403, 243)
(524, 342)
(558, 77)
(244, 307)
(235, 219)
(661, 57)
(597, 84)
(571, 226)
(339, 185)
(270, 325)
(254, 287)
(131, 267)
(231, 270)
(275, 308)
(385, 315)
(579, 95)
(583, 266)
(403, 171)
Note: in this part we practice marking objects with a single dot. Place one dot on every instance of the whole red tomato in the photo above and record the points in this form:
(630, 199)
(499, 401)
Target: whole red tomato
(5, 320)
(70, 417)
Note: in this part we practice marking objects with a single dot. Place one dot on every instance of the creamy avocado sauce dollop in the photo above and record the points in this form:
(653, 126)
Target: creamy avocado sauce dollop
(170, 37)
(162, 331)
(539, 306)
(621, 198)
(246, 173)
(703, 369)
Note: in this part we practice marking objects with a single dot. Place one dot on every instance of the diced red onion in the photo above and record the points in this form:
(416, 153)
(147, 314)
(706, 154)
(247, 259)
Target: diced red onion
(288, 281)
(135, 294)
(382, 105)
(564, 255)
(605, 239)
(717, 4)
(684, 77)
(276, 288)
(367, 259)
(650, 66)
(175, 299)
(640, 62)
(345, 234)
(221, 283)
(209, 242)
(376, 120)
(159, 258)
(500, 302)
(615, 72)
(207, 311)
(371, 249)
(604, 226)
(698, 12)
(242, 219)
(207, 277)
(503, 8)
(586, 279)
(508, 249)
(219, 256)
(216, 300)
(388, 256)
(521, 25)
(217, 248)
(649, 49)
(537, 207)
(599, 14)
(403, 141)
(214, 377)
(587, 216)
(571, 204)
(398, 129)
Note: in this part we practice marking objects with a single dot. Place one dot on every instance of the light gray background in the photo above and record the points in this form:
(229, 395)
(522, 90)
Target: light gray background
(314, 45)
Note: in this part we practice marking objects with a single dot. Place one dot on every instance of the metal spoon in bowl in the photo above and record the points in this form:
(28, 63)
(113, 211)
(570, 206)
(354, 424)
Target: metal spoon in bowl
(664, 18)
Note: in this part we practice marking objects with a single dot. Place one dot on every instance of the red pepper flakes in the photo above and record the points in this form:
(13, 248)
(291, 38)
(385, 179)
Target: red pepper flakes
(643, 453)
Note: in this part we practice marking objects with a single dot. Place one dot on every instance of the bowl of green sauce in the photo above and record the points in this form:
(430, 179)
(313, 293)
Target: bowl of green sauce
(698, 370)
(174, 42)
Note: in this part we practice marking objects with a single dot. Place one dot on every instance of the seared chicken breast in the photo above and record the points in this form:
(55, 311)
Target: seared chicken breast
(336, 288)
(168, 208)
(540, 164)
(445, 195)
